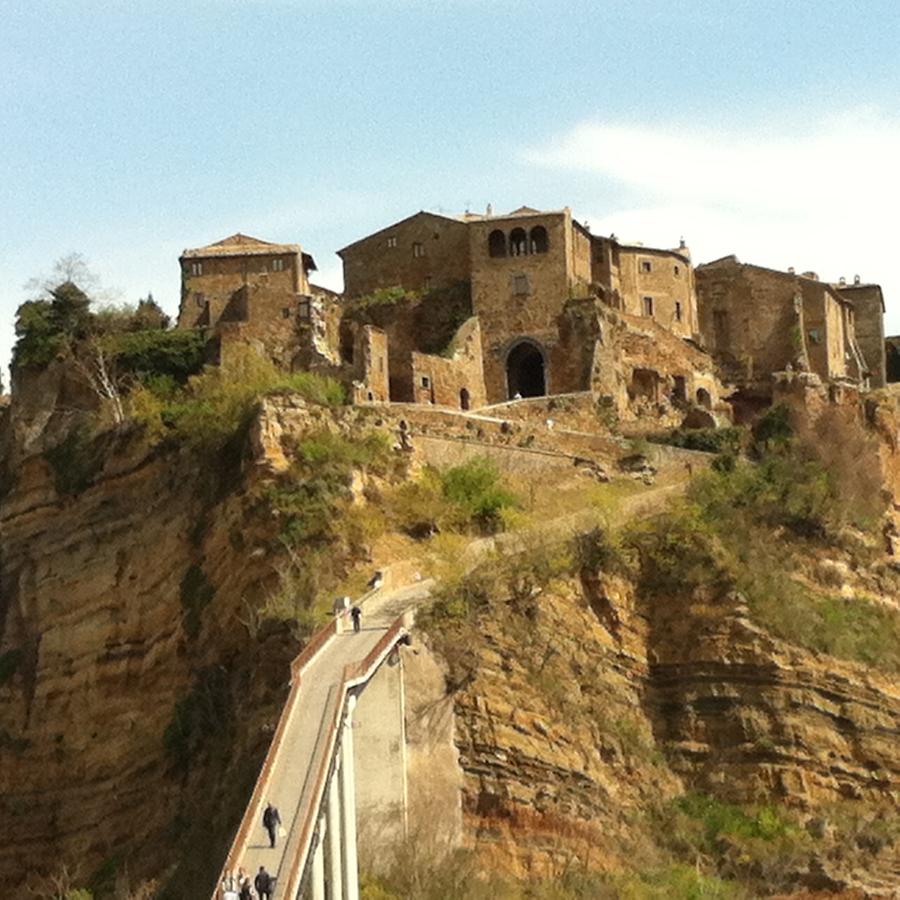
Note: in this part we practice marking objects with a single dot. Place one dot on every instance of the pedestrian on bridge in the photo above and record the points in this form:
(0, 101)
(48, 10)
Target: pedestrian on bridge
(271, 821)
(246, 891)
(356, 615)
(264, 884)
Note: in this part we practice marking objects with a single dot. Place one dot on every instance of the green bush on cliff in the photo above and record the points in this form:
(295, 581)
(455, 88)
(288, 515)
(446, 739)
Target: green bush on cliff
(470, 495)
(196, 594)
(75, 461)
(218, 403)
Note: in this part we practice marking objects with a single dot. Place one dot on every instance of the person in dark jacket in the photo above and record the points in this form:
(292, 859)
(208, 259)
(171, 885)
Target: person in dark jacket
(271, 821)
(264, 884)
(356, 615)
(246, 891)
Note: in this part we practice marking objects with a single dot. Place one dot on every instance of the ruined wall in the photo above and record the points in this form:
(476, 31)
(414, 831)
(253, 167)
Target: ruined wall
(371, 368)
(390, 258)
(265, 316)
(749, 319)
(456, 380)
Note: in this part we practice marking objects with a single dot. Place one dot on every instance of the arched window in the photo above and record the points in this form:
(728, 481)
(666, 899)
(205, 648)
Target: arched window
(497, 243)
(540, 243)
(518, 242)
(703, 398)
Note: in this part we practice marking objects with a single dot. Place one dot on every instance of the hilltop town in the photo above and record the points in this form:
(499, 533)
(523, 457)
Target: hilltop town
(475, 310)
(623, 533)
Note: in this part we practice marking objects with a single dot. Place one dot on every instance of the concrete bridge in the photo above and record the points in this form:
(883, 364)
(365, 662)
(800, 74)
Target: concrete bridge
(309, 772)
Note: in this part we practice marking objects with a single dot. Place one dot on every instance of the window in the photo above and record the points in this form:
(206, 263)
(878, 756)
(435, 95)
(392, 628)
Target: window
(520, 285)
(200, 300)
(277, 265)
(418, 250)
(814, 336)
(303, 309)
(540, 243)
(196, 268)
(497, 243)
(392, 242)
(518, 242)
(426, 381)
(647, 303)
(677, 270)
(646, 265)
(677, 311)
(285, 313)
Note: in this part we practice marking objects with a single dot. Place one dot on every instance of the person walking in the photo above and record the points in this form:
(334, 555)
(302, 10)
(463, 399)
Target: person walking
(271, 821)
(246, 890)
(356, 615)
(264, 884)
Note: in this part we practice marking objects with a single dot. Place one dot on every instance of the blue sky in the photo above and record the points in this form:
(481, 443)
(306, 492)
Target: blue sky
(131, 131)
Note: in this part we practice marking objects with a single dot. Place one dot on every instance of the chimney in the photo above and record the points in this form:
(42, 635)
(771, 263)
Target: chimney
(490, 210)
(842, 281)
(857, 279)
(791, 270)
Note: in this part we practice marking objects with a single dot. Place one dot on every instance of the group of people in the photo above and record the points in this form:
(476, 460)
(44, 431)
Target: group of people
(237, 886)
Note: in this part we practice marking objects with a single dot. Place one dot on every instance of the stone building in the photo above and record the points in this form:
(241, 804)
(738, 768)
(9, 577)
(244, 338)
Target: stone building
(867, 302)
(526, 271)
(757, 322)
(472, 310)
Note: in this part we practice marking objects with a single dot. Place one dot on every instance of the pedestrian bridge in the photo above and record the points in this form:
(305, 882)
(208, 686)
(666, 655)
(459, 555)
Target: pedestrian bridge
(308, 773)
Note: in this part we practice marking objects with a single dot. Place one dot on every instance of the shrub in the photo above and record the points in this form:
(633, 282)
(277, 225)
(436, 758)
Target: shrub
(475, 488)
(154, 353)
(205, 713)
(75, 461)
(196, 594)
(709, 440)
(9, 663)
(218, 403)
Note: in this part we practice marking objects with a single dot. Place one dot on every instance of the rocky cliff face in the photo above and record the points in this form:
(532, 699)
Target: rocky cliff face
(137, 689)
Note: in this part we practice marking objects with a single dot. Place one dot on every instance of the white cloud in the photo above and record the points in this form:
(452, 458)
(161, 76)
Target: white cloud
(818, 196)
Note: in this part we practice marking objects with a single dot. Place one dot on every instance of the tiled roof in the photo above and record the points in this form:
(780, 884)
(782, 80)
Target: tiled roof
(240, 245)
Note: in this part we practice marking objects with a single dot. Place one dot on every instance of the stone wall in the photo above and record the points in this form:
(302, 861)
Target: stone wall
(371, 382)
(520, 296)
(420, 253)
(868, 307)
(456, 380)
(663, 280)
(750, 318)
(206, 297)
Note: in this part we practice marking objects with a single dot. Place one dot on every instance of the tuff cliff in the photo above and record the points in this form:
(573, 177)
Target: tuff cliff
(140, 679)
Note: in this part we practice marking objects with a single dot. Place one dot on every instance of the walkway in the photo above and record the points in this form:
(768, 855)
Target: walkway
(303, 736)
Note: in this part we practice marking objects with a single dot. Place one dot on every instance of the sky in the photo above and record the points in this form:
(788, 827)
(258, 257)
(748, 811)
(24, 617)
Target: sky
(129, 132)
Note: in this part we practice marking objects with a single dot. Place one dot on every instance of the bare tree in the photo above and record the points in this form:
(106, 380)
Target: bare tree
(98, 368)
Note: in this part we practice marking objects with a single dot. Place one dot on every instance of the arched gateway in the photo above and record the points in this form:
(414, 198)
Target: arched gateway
(525, 374)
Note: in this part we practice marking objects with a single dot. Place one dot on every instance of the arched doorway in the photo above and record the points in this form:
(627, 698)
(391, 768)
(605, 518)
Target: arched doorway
(703, 398)
(525, 371)
(464, 398)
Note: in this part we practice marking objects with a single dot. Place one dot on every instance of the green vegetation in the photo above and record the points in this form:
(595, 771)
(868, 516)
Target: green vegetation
(380, 298)
(196, 594)
(218, 404)
(75, 460)
(9, 663)
(709, 440)
(749, 527)
(155, 353)
(468, 496)
(206, 714)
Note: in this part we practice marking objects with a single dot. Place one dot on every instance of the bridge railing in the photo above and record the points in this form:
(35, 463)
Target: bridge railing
(253, 811)
(313, 790)
(323, 761)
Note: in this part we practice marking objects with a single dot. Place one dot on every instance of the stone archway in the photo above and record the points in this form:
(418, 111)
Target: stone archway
(525, 371)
